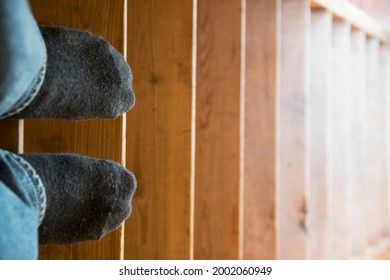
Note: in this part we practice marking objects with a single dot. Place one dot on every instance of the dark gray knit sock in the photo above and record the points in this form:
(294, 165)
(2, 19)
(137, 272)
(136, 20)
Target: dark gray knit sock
(86, 78)
(86, 197)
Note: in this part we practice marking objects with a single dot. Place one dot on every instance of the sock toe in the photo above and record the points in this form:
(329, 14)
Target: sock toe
(86, 78)
(118, 201)
(86, 197)
(125, 95)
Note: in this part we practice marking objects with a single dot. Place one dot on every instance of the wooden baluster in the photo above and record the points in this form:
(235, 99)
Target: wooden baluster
(358, 143)
(319, 102)
(385, 120)
(340, 144)
(292, 149)
(373, 164)
(383, 107)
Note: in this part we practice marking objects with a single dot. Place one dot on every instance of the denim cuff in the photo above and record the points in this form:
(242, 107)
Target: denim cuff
(29, 96)
(37, 182)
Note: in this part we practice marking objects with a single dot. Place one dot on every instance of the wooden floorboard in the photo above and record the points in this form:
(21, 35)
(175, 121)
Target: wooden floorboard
(11, 135)
(261, 86)
(218, 129)
(160, 129)
(100, 138)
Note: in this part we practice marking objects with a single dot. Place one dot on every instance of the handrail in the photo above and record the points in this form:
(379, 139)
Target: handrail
(355, 16)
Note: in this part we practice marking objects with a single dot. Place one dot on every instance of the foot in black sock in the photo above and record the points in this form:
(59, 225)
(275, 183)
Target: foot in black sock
(86, 197)
(86, 78)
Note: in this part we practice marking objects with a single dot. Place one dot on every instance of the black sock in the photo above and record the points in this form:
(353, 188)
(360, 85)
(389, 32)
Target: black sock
(86, 78)
(86, 197)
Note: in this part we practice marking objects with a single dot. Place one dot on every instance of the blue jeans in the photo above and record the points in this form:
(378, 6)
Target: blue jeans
(22, 69)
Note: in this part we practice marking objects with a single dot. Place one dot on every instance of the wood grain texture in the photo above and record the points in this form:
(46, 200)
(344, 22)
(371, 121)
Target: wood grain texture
(102, 138)
(292, 127)
(51, 252)
(358, 143)
(11, 135)
(374, 165)
(160, 129)
(319, 114)
(340, 141)
(218, 119)
(261, 85)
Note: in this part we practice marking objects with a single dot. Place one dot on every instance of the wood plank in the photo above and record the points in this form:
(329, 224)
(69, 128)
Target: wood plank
(340, 140)
(218, 128)
(102, 138)
(160, 129)
(52, 252)
(11, 135)
(358, 143)
(261, 85)
(383, 97)
(319, 102)
(374, 164)
(293, 130)
(356, 17)
(385, 92)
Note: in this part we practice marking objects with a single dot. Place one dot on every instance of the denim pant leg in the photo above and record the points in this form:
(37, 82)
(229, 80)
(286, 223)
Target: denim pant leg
(22, 57)
(22, 207)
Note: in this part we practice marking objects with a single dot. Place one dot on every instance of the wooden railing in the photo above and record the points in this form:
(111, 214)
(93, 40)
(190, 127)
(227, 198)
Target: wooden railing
(260, 131)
